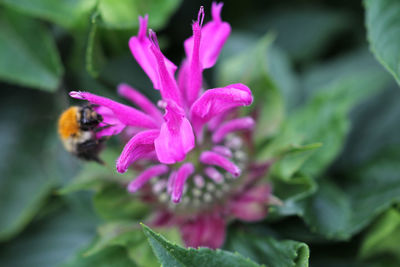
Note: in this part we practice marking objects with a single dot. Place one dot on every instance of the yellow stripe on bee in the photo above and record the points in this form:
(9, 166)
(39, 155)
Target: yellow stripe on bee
(68, 123)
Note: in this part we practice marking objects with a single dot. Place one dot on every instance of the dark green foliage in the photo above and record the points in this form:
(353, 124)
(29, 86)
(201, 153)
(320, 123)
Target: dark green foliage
(328, 115)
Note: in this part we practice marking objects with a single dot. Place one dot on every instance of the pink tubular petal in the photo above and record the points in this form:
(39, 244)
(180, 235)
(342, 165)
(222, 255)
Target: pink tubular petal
(223, 150)
(214, 35)
(140, 48)
(246, 123)
(183, 78)
(139, 146)
(145, 176)
(169, 89)
(216, 101)
(212, 158)
(204, 231)
(196, 70)
(216, 121)
(252, 204)
(126, 115)
(141, 101)
(176, 136)
(114, 126)
(171, 182)
(182, 175)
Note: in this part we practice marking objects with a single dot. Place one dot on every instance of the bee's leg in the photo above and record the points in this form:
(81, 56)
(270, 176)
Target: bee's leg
(90, 149)
(98, 129)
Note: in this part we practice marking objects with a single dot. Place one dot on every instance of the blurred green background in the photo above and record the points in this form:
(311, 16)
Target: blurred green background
(314, 79)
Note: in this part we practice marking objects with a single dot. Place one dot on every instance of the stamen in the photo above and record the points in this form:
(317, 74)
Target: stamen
(153, 38)
(196, 192)
(234, 143)
(159, 186)
(163, 197)
(199, 181)
(162, 104)
(210, 187)
(207, 197)
(240, 155)
(200, 16)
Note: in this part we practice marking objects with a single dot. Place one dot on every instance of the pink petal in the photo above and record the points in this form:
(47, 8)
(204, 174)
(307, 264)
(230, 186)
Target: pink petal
(126, 115)
(252, 205)
(214, 35)
(182, 175)
(145, 176)
(169, 89)
(212, 158)
(246, 123)
(176, 136)
(195, 78)
(140, 48)
(141, 101)
(114, 126)
(216, 121)
(139, 146)
(171, 181)
(183, 78)
(204, 231)
(216, 101)
(223, 151)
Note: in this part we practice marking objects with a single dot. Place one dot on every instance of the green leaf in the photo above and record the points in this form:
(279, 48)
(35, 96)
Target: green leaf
(113, 256)
(357, 62)
(95, 176)
(123, 14)
(251, 67)
(383, 26)
(324, 119)
(338, 212)
(375, 126)
(314, 31)
(128, 234)
(289, 159)
(383, 237)
(29, 55)
(95, 59)
(172, 255)
(122, 233)
(67, 13)
(49, 241)
(32, 160)
(268, 250)
(292, 192)
(114, 202)
(374, 120)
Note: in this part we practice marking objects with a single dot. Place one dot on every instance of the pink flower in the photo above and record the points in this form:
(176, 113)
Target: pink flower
(195, 151)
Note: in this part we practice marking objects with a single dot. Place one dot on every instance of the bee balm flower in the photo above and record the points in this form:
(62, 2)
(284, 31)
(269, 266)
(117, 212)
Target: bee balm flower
(194, 145)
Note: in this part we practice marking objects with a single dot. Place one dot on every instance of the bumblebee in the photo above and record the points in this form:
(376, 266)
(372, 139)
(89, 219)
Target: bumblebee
(77, 127)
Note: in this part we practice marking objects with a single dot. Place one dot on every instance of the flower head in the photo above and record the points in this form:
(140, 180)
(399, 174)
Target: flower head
(194, 145)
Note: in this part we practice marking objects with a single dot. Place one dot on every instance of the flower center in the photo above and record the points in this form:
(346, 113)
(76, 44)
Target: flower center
(209, 186)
